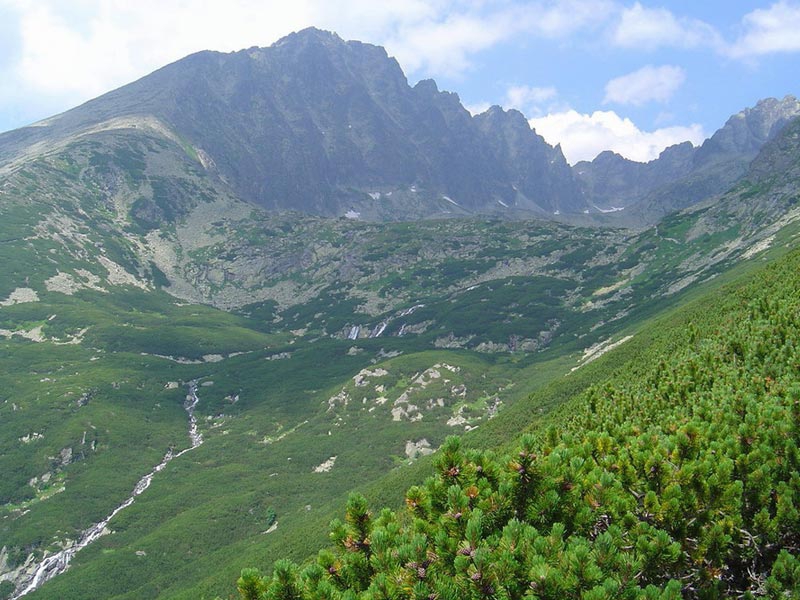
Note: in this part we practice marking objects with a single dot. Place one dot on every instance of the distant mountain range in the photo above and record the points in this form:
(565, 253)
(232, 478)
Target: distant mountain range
(684, 175)
(330, 127)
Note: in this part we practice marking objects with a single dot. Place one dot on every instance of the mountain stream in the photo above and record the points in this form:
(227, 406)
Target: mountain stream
(57, 563)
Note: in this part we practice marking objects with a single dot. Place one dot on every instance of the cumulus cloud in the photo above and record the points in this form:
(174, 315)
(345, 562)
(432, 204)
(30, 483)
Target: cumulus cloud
(444, 43)
(584, 136)
(67, 52)
(114, 41)
(561, 18)
(528, 98)
(650, 28)
(645, 85)
(117, 41)
(446, 46)
(763, 31)
(769, 30)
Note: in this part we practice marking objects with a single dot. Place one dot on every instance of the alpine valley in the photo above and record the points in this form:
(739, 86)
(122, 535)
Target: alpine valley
(248, 284)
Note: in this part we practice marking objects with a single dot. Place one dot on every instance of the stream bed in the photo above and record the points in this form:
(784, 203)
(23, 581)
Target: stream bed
(57, 563)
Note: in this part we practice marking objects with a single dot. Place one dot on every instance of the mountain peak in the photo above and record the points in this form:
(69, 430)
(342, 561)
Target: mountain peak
(427, 86)
(498, 114)
(319, 124)
(787, 103)
(310, 34)
(767, 112)
(748, 130)
(607, 156)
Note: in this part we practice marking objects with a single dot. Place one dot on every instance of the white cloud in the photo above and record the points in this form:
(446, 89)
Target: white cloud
(645, 85)
(477, 108)
(121, 40)
(769, 30)
(116, 40)
(528, 99)
(72, 51)
(763, 31)
(650, 28)
(444, 42)
(582, 136)
(560, 18)
(445, 46)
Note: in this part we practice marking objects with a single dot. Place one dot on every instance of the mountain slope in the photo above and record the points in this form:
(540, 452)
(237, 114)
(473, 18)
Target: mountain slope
(326, 127)
(323, 126)
(676, 477)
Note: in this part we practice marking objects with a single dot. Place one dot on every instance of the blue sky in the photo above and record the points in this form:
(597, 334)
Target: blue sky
(634, 77)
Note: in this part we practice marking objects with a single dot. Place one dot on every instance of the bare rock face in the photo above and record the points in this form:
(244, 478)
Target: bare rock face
(65, 456)
(419, 448)
(15, 574)
(746, 132)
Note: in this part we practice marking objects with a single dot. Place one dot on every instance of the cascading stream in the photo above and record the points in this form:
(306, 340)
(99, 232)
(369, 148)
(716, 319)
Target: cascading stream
(57, 563)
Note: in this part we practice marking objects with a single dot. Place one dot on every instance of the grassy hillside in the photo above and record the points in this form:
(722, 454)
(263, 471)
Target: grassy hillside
(454, 324)
(675, 476)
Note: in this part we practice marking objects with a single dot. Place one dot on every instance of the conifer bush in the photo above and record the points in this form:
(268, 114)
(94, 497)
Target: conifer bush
(679, 477)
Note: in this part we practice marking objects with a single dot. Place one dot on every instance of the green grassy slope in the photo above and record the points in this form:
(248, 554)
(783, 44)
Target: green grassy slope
(209, 508)
(675, 476)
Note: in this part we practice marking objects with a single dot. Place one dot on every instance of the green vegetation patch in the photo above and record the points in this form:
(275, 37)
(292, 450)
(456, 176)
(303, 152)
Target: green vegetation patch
(676, 477)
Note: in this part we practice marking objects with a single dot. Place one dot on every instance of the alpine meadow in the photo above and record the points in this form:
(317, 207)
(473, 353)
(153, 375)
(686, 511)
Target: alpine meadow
(277, 325)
